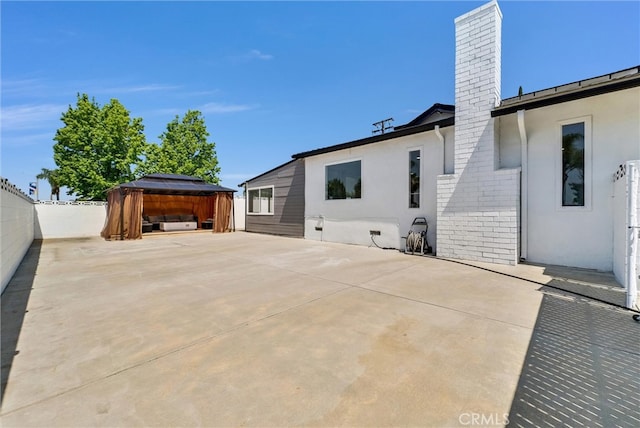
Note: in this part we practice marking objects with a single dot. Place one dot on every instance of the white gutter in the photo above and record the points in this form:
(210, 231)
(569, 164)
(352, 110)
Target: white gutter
(632, 233)
(524, 187)
(441, 138)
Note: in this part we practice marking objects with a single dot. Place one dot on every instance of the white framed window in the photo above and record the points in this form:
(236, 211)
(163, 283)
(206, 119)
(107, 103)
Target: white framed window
(414, 178)
(573, 164)
(260, 201)
(343, 180)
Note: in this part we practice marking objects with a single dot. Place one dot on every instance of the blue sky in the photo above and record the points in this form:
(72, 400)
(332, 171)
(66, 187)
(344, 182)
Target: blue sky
(275, 78)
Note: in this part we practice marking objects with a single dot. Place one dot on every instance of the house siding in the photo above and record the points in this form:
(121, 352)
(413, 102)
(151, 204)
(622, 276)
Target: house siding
(288, 186)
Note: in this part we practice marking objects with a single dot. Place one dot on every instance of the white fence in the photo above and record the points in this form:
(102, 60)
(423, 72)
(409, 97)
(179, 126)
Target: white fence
(626, 212)
(16, 228)
(56, 219)
(238, 206)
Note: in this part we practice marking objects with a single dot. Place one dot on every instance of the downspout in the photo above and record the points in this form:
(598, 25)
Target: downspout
(444, 150)
(524, 187)
(441, 138)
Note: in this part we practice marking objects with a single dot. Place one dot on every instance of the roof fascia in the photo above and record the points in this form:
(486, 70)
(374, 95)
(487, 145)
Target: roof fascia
(450, 121)
(572, 96)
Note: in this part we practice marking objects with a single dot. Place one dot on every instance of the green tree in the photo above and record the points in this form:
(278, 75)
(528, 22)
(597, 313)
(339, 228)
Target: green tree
(51, 175)
(184, 149)
(97, 148)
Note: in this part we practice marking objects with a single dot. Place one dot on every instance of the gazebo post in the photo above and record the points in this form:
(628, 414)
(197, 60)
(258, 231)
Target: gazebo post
(122, 196)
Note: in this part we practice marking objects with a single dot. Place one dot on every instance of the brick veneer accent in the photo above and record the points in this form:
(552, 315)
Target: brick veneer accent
(478, 206)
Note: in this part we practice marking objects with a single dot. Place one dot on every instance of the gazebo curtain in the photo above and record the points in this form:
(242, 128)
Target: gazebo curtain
(224, 203)
(124, 214)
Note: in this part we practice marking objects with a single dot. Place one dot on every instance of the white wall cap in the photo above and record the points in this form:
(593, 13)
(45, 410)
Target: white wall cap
(478, 11)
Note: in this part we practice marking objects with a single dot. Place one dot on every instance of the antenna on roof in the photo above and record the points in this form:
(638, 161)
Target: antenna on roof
(382, 126)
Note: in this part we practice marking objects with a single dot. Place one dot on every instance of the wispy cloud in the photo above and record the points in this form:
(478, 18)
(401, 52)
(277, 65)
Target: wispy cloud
(36, 87)
(216, 108)
(24, 140)
(29, 116)
(200, 93)
(153, 87)
(22, 87)
(254, 54)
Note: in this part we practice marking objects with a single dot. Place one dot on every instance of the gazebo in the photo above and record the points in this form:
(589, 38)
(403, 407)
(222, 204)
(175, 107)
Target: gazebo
(166, 194)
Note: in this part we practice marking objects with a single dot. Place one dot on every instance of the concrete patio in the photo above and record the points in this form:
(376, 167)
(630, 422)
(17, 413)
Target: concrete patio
(251, 330)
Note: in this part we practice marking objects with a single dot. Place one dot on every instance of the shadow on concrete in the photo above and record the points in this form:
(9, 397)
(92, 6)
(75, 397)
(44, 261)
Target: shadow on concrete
(588, 283)
(582, 367)
(14, 308)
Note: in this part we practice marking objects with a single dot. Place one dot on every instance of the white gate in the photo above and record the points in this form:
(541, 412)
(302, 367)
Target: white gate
(627, 190)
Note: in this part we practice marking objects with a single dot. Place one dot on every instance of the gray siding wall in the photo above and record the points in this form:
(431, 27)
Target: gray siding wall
(288, 217)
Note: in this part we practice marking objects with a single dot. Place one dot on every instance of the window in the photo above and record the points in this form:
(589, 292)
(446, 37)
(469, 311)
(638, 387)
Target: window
(343, 181)
(573, 165)
(414, 179)
(260, 201)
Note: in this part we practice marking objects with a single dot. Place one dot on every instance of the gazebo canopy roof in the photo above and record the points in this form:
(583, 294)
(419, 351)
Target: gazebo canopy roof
(173, 184)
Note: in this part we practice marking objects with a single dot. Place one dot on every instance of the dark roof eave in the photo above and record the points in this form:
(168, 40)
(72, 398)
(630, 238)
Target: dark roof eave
(562, 98)
(170, 191)
(450, 121)
(449, 108)
(156, 188)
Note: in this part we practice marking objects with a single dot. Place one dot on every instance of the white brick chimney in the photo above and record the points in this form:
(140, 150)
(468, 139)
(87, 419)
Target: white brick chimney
(478, 216)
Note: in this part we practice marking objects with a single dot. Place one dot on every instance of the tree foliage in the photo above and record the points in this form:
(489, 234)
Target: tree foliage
(51, 175)
(183, 149)
(97, 148)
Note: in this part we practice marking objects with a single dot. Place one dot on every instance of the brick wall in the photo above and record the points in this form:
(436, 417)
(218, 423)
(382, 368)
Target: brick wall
(478, 206)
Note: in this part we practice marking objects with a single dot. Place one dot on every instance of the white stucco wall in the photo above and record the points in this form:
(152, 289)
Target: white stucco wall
(509, 144)
(384, 204)
(580, 237)
(16, 228)
(69, 220)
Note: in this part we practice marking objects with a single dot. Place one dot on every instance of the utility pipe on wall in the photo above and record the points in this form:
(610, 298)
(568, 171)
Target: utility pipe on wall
(524, 186)
(441, 138)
